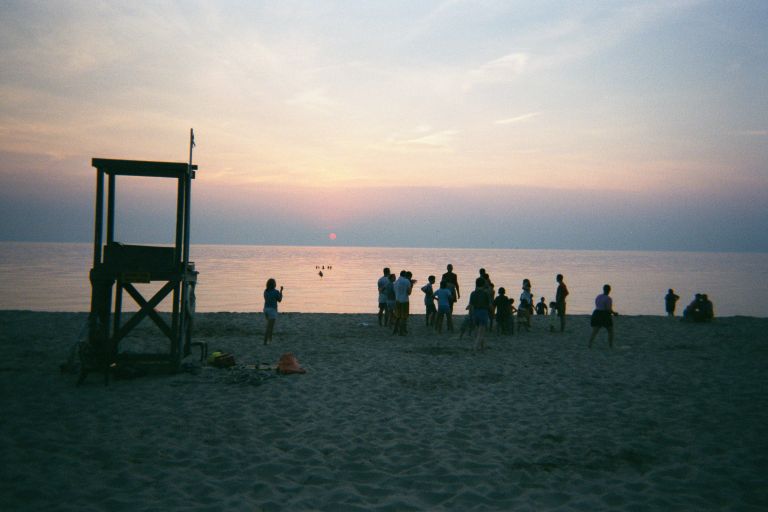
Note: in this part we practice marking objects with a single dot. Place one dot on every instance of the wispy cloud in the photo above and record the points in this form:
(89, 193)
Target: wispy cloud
(502, 69)
(433, 140)
(578, 34)
(518, 119)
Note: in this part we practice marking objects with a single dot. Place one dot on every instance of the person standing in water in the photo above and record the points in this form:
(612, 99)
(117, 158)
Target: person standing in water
(271, 297)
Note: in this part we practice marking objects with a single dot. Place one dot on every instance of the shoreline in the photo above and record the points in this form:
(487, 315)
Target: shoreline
(672, 418)
(371, 314)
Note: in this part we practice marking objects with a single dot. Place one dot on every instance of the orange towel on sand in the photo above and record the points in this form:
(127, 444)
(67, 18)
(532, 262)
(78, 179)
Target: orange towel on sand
(289, 364)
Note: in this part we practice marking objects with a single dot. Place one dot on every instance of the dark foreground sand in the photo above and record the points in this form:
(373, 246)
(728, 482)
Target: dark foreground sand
(674, 418)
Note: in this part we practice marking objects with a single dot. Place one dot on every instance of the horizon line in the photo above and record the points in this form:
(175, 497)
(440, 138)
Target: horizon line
(402, 247)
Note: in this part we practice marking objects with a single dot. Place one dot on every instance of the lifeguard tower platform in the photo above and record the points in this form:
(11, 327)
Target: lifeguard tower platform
(117, 267)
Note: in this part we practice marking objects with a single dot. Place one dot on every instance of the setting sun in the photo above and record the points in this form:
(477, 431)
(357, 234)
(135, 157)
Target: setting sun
(332, 236)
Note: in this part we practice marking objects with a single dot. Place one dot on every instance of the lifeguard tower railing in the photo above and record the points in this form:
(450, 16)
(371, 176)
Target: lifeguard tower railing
(119, 266)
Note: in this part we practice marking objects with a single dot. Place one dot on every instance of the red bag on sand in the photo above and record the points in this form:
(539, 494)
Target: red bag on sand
(289, 364)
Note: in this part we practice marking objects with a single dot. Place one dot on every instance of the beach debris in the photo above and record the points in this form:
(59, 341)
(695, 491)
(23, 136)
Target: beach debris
(221, 359)
(289, 364)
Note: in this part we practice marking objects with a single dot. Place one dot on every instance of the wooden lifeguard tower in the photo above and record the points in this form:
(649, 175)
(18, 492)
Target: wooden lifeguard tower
(118, 266)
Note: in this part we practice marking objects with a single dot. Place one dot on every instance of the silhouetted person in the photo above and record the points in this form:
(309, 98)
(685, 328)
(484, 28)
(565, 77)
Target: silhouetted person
(382, 285)
(525, 309)
(602, 316)
(670, 301)
(541, 307)
(560, 295)
(491, 290)
(694, 312)
(402, 287)
(389, 289)
(452, 281)
(444, 297)
(707, 308)
(271, 297)
(503, 311)
(429, 300)
(479, 307)
(552, 315)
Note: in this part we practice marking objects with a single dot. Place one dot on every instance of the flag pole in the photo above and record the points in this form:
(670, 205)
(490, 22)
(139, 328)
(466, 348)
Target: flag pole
(187, 199)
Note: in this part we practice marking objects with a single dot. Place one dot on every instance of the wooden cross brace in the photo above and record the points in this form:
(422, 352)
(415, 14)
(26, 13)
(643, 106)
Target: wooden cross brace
(147, 308)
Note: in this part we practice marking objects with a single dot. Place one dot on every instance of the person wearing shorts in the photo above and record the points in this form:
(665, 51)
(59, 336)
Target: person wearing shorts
(479, 310)
(603, 315)
(444, 296)
(403, 287)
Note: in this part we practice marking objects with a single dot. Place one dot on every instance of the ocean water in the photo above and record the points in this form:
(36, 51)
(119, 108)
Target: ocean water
(54, 277)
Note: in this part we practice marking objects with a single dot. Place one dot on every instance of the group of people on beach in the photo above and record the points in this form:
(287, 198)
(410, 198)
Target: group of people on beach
(485, 305)
(701, 309)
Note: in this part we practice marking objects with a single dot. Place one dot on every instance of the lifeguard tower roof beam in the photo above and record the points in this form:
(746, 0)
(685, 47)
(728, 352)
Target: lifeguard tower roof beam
(120, 265)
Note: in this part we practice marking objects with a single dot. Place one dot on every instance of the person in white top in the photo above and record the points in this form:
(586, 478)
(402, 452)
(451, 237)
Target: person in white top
(382, 284)
(602, 315)
(403, 287)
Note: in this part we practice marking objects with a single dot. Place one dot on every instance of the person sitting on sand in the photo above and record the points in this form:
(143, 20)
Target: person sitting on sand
(552, 315)
(444, 296)
(694, 312)
(707, 308)
(271, 297)
(670, 300)
(479, 307)
(602, 315)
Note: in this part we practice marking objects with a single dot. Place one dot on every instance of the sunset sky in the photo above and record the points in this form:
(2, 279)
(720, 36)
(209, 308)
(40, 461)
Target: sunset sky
(522, 124)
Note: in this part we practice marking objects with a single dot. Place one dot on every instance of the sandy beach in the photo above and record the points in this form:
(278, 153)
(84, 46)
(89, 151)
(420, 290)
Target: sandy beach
(675, 417)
